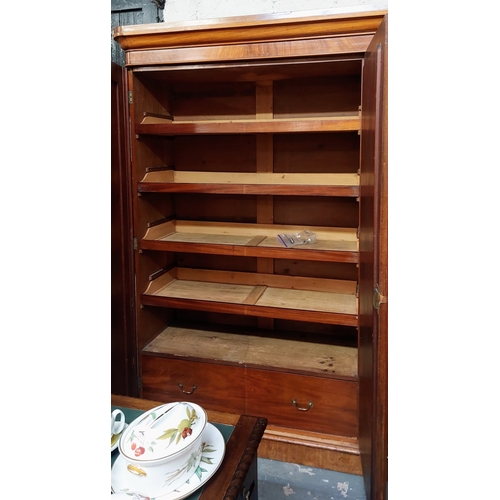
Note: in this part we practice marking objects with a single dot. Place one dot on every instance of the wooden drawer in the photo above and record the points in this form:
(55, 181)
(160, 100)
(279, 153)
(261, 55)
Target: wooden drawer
(218, 387)
(250, 391)
(335, 402)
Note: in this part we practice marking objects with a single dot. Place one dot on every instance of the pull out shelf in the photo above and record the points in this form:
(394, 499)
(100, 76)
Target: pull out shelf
(172, 181)
(264, 295)
(250, 240)
(255, 351)
(152, 125)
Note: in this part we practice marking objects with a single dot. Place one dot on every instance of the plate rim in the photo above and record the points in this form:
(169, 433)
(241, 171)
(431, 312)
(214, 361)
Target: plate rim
(177, 494)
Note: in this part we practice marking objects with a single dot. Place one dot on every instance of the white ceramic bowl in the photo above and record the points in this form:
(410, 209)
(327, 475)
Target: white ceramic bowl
(163, 447)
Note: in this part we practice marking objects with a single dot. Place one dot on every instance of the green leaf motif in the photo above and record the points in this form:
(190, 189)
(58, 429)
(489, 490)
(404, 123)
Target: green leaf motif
(199, 471)
(174, 475)
(183, 424)
(170, 433)
(191, 414)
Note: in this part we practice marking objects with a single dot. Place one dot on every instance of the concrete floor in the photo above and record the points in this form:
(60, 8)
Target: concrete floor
(286, 481)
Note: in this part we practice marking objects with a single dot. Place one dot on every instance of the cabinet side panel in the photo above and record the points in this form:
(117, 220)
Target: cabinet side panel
(123, 348)
(373, 269)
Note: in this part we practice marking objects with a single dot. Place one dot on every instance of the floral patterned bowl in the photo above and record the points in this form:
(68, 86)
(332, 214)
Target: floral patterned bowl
(163, 447)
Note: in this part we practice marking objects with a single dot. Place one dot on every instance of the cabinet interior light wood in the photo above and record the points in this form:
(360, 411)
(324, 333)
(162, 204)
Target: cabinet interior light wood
(241, 129)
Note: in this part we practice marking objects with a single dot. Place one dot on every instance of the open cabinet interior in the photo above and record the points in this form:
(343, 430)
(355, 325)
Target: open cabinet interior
(227, 159)
(231, 148)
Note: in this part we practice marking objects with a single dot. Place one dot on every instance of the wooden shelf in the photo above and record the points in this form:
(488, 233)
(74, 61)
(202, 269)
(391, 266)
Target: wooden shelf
(250, 240)
(265, 295)
(292, 356)
(152, 125)
(172, 181)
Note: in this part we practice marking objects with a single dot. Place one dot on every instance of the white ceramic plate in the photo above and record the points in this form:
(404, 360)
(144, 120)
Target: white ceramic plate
(117, 436)
(212, 455)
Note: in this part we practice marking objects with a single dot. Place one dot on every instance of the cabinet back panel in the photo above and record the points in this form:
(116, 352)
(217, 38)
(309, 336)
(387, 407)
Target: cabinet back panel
(317, 269)
(292, 210)
(281, 328)
(214, 102)
(316, 97)
(215, 319)
(313, 269)
(316, 332)
(208, 207)
(292, 98)
(316, 153)
(223, 262)
(316, 211)
(214, 153)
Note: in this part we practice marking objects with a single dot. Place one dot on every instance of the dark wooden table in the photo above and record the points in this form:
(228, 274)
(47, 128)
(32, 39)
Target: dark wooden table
(236, 478)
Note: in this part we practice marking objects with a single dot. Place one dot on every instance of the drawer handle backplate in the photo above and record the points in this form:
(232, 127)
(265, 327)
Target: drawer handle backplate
(309, 406)
(188, 392)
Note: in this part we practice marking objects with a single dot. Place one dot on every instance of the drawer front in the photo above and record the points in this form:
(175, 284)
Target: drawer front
(334, 402)
(218, 387)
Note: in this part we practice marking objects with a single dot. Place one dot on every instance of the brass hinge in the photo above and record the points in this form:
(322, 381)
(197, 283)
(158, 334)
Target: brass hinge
(130, 97)
(136, 243)
(378, 298)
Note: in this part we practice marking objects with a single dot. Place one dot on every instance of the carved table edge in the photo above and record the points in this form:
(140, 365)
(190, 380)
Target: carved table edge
(246, 459)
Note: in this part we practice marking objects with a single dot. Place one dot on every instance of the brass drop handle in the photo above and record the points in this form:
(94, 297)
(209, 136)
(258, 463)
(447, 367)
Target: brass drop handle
(188, 392)
(309, 406)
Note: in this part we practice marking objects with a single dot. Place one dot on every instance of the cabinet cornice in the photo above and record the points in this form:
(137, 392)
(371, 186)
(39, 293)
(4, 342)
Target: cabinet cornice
(250, 29)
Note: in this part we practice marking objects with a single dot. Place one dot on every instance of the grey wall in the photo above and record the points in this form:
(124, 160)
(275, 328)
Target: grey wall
(183, 10)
